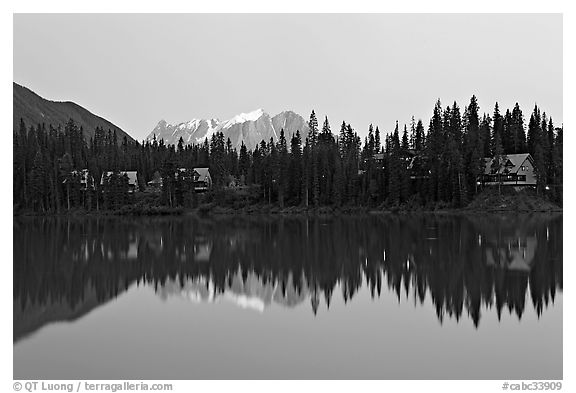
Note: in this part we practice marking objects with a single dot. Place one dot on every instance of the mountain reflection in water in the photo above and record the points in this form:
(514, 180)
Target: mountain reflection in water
(63, 268)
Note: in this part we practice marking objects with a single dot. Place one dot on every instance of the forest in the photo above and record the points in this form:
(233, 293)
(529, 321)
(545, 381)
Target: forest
(409, 166)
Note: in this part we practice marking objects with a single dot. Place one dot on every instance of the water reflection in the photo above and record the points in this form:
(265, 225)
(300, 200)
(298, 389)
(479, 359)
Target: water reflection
(65, 268)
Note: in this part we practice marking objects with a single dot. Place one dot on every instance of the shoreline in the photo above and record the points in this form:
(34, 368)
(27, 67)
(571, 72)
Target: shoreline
(293, 211)
(486, 202)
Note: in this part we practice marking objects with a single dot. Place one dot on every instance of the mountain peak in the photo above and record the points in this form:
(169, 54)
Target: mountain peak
(244, 117)
(249, 128)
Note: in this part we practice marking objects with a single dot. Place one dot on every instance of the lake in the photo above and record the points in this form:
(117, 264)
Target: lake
(375, 297)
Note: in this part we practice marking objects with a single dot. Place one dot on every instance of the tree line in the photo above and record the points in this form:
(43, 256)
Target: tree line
(412, 167)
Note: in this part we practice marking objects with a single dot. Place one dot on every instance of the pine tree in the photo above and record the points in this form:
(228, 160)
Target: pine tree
(517, 131)
(306, 158)
(313, 158)
(295, 169)
(180, 145)
(218, 159)
(419, 136)
(497, 131)
(534, 131)
(66, 172)
(405, 142)
(558, 146)
(283, 166)
(370, 143)
(244, 161)
(435, 143)
(473, 147)
(377, 146)
(536, 148)
(507, 137)
(395, 180)
(313, 129)
(499, 158)
(38, 186)
(168, 173)
(485, 135)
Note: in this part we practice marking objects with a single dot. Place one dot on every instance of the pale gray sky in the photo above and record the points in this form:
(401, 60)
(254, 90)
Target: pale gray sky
(134, 70)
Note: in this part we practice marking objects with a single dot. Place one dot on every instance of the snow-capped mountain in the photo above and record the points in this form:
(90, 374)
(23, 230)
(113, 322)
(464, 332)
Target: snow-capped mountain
(191, 132)
(250, 128)
(248, 292)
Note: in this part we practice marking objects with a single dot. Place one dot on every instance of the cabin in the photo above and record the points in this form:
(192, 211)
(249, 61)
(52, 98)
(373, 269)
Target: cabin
(513, 170)
(132, 179)
(202, 179)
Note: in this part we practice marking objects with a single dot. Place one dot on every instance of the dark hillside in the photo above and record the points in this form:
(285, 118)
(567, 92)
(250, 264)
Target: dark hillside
(37, 110)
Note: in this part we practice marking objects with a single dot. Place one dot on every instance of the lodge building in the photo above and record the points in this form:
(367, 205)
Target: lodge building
(514, 170)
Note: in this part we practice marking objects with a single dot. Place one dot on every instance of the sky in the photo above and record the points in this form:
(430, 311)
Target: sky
(137, 69)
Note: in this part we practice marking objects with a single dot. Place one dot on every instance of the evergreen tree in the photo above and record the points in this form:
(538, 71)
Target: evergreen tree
(395, 164)
(283, 166)
(474, 147)
(405, 142)
(244, 161)
(419, 137)
(499, 158)
(517, 131)
(535, 143)
(497, 131)
(38, 186)
(66, 172)
(314, 184)
(295, 169)
(485, 135)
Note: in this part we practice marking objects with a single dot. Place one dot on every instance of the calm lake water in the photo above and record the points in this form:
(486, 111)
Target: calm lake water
(380, 297)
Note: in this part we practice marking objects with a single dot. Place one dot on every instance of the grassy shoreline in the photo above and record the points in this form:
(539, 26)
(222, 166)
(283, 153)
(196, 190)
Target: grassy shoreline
(487, 202)
(275, 210)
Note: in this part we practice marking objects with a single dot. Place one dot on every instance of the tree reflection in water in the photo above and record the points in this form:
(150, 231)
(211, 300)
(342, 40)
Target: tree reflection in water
(63, 268)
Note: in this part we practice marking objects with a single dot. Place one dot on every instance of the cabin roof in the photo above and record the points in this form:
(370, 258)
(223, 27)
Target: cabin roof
(513, 163)
(204, 174)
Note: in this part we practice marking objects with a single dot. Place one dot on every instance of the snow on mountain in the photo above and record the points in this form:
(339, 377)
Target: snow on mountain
(248, 293)
(248, 128)
(243, 117)
(193, 131)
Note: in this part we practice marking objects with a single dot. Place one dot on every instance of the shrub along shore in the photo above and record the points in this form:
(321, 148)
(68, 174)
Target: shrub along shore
(239, 203)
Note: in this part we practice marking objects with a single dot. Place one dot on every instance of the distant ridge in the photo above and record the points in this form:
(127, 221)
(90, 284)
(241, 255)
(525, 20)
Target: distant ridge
(248, 128)
(35, 110)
